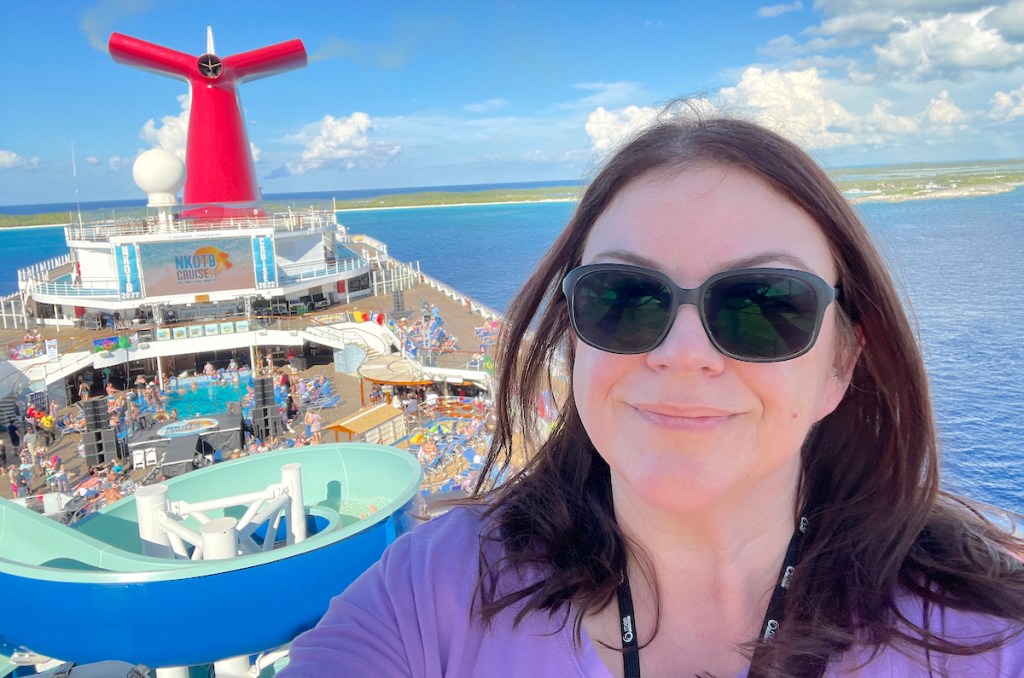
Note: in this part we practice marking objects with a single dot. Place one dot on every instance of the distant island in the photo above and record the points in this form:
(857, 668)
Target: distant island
(891, 183)
(929, 181)
(443, 198)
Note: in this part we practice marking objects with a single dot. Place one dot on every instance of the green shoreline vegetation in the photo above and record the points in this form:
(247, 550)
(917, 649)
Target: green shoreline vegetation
(894, 183)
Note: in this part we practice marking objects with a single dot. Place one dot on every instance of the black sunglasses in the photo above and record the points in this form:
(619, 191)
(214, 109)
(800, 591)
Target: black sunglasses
(758, 315)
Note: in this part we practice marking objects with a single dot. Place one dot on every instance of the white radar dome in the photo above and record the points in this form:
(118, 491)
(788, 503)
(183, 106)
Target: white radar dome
(161, 174)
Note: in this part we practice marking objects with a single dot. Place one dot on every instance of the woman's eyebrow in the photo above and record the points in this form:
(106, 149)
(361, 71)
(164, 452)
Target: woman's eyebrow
(755, 260)
(761, 258)
(625, 256)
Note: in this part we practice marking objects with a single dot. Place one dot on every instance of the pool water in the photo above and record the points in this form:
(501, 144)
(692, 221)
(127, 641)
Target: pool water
(207, 397)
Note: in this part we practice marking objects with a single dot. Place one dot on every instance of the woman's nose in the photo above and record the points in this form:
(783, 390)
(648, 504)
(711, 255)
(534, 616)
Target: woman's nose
(687, 345)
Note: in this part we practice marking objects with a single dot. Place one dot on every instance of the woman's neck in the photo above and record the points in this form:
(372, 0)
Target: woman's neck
(713, 574)
(748, 530)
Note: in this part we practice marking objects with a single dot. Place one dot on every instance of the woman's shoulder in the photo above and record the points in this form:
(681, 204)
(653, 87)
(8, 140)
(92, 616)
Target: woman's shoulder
(958, 626)
(455, 529)
(413, 614)
(443, 552)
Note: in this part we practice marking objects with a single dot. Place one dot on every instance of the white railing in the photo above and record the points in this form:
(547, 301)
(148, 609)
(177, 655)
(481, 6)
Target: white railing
(376, 342)
(363, 239)
(12, 312)
(309, 220)
(66, 289)
(39, 270)
(289, 274)
(292, 273)
(393, 275)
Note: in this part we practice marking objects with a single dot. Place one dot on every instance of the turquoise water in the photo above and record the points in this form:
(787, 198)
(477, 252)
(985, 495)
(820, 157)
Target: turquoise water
(207, 397)
(960, 262)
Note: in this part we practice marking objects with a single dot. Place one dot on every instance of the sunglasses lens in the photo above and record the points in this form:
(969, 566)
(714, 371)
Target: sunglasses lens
(621, 311)
(762, 316)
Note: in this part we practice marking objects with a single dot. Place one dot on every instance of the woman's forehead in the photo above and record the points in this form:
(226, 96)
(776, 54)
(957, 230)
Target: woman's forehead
(695, 222)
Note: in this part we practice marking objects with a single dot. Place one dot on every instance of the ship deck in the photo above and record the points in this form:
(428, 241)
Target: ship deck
(458, 321)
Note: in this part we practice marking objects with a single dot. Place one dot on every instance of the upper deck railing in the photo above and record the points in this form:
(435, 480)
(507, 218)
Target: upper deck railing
(361, 238)
(308, 220)
(287, 275)
(40, 269)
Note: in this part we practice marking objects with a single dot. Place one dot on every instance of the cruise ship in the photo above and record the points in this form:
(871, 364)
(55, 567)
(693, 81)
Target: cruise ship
(206, 287)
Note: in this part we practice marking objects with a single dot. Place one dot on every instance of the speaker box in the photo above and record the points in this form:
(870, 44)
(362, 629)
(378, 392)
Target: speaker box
(263, 385)
(105, 439)
(93, 458)
(96, 417)
(262, 412)
(100, 446)
(264, 391)
(266, 422)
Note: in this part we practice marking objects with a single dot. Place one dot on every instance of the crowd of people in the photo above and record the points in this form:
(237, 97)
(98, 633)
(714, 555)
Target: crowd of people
(426, 333)
(30, 460)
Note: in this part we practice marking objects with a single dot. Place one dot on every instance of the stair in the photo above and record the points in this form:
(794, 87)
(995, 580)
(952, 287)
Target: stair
(8, 410)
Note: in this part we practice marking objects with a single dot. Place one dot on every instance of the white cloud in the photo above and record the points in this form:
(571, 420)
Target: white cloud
(873, 22)
(92, 160)
(946, 47)
(772, 11)
(339, 143)
(833, 7)
(942, 110)
(881, 122)
(1007, 105)
(786, 47)
(118, 162)
(11, 160)
(607, 94)
(801, 106)
(1008, 20)
(98, 22)
(792, 103)
(486, 106)
(256, 151)
(607, 129)
(171, 133)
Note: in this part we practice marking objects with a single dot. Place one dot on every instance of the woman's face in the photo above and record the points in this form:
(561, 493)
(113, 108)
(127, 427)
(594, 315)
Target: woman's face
(683, 427)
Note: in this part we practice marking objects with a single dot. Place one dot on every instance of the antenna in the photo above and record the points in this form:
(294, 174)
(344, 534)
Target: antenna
(209, 40)
(74, 173)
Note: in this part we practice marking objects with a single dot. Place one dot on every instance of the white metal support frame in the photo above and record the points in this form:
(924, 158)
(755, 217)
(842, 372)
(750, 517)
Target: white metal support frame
(164, 534)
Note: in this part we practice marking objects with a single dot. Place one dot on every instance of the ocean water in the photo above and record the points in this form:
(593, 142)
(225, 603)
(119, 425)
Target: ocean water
(301, 199)
(960, 263)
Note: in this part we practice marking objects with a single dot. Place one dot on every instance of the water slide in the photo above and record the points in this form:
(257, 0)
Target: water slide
(89, 594)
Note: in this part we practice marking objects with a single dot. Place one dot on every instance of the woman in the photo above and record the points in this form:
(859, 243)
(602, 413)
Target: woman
(744, 471)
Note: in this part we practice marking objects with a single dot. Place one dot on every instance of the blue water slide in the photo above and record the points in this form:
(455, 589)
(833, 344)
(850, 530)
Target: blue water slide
(89, 594)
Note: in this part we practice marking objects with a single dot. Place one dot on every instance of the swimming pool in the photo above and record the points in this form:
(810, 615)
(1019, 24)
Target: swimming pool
(202, 395)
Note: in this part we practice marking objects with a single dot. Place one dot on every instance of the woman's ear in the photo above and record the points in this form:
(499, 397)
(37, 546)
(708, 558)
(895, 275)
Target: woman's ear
(848, 350)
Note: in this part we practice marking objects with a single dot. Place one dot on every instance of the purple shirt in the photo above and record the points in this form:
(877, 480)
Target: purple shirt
(409, 615)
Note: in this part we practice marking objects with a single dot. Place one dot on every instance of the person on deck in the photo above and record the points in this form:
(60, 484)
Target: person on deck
(12, 433)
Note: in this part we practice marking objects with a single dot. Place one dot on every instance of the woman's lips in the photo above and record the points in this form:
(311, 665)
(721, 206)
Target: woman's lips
(684, 418)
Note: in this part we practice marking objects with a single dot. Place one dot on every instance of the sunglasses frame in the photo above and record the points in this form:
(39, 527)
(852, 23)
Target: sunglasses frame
(824, 293)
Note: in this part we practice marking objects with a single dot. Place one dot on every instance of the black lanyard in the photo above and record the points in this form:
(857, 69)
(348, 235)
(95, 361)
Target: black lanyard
(772, 616)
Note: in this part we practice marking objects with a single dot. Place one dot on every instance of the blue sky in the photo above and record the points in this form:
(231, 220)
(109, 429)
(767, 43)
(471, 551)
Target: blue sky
(440, 93)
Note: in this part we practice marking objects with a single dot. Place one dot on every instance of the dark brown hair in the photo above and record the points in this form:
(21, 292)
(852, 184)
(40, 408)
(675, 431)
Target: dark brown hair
(879, 521)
